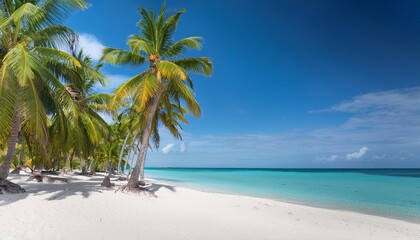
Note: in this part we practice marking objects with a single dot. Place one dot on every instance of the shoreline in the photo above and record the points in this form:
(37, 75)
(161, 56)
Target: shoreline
(305, 204)
(181, 213)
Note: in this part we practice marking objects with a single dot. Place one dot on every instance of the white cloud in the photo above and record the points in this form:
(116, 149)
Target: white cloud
(397, 110)
(91, 45)
(167, 148)
(357, 155)
(182, 147)
(401, 99)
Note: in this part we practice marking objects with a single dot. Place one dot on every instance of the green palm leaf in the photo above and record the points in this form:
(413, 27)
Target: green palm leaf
(182, 46)
(196, 65)
(121, 57)
(170, 70)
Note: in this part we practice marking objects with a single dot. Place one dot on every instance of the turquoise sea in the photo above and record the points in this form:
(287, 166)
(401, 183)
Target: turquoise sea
(391, 193)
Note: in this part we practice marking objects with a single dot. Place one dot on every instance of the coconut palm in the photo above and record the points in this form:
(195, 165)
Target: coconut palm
(166, 78)
(84, 133)
(30, 33)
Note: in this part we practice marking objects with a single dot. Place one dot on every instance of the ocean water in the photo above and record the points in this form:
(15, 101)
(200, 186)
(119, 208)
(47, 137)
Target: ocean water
(391, 193)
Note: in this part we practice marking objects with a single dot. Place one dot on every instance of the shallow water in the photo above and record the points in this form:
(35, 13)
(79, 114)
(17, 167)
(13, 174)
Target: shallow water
(392, 193)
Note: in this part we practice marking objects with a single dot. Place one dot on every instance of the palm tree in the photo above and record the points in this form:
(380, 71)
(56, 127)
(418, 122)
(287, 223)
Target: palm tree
(30, 33)
(165, 82)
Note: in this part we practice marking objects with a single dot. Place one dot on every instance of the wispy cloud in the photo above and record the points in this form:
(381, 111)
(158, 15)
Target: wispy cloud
(401, 100)
(385, 123)
(167, 148)
(91, 45)
(357, 155)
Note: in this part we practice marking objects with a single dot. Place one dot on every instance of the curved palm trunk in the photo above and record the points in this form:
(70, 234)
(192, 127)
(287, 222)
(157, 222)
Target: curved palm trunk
(11, 147)
(143, 163)
(135, 153)
(63, 170)
(130, 151)
(133, 182)
(122, 153)
(110, 167)
(22, 152)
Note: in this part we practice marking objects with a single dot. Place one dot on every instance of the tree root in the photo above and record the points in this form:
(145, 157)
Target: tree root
(137, 191)
(9, 187)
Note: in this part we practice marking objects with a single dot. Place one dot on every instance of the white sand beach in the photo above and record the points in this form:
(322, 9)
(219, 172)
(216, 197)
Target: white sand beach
(82, 209)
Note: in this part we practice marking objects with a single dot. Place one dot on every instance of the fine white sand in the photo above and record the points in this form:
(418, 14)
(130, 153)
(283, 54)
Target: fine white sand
(82, 209)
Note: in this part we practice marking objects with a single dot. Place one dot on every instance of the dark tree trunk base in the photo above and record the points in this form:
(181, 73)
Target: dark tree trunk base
(137, 190)
(106, 182)
(9, 187)
(16, 170)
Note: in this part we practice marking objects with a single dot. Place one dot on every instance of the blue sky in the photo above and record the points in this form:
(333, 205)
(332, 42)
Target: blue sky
(296, 84)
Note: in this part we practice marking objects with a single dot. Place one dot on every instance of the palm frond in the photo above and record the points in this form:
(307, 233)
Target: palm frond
(140, 45)
(166, 32)
(182, 46)
(20, 64)
(56, 11)
(196, 65)
(147, 25)
(58, 56)
(121, 57)
(53, 36)
(125, 91)
(26, 14)
(170, 70)
(178, 88)
(9, 93)
(32, 112)
(145, 90)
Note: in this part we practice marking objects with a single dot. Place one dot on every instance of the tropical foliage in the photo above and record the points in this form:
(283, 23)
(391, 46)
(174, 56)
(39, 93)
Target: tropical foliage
(51, 113)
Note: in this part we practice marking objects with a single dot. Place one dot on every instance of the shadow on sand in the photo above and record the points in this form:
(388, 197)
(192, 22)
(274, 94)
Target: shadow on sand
(59, 191)
(54, 191)
(154, 187)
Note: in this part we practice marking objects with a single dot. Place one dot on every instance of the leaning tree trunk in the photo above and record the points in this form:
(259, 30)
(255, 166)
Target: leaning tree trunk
(122, 153)
(133, 182)
(135, 152)
(71, 161)
(22, 152)
(11, 147)
(91, 168)
(130, 151)
(110, 167)
(63, 170)
(143, 163)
